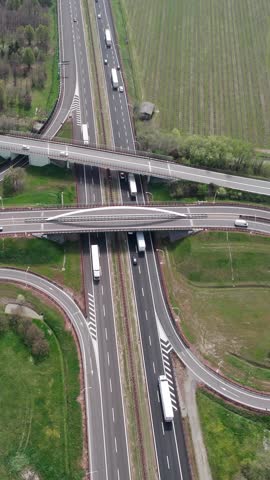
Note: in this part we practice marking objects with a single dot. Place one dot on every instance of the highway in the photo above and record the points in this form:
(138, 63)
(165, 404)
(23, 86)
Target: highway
(169, 441)
(127, 162)
(110, 458)
(132, 218)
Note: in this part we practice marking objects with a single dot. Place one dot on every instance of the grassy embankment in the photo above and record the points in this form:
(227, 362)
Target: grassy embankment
(40, 422)
(60, 263)
(65, 132)
(43, 186)
(193, 61)
(220, 283)
(232, 436)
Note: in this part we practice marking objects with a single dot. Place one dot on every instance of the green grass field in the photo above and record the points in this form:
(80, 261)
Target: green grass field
(206, 65)
(220, 283)
(44, 186)
(40, 421)
(232, 437)
(61, 263)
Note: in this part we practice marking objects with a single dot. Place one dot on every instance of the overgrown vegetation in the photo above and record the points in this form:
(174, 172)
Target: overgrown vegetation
(204, 65)
(192, 191)
(220, 153)
(219, 285)
(40, 421)
(49, 185)
(32, 336)
(28, 56)
(237, 442)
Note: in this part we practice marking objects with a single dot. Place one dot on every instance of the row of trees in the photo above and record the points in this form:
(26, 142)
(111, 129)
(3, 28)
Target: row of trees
(31, 335)
(221, 153)
(14, 181)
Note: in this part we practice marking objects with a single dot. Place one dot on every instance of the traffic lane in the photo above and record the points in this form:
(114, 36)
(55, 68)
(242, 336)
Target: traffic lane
(113, 409)
(122, 129)
(202, 373)
(85, 89)
(167, 448)
(68, 72)
(91, 390)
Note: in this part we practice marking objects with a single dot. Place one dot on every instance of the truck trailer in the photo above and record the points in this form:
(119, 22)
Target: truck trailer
(140, 242)
(132, 185)
(114, 78)
(85, 134)
(239, 222)
(95, 262)
(165, 398)
(108, 38)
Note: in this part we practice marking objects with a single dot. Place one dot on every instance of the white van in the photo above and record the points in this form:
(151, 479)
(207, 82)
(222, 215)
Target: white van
(241, 223)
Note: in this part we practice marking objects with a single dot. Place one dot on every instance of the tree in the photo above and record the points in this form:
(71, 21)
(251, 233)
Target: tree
(29, 34)
(40, 348)
(42, 36)
(4, 324)
(28, 57)
(2, 96)
(13, 181)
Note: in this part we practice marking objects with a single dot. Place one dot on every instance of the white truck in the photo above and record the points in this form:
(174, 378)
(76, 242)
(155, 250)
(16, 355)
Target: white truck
(240, 223)
(114, 78)
(165, 398)
(140, 242)
(108, 37)
(95, 262)
(85, 134)
(132, 185)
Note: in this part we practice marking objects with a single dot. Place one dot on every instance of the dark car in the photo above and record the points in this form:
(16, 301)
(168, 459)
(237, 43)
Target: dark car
(134, 260)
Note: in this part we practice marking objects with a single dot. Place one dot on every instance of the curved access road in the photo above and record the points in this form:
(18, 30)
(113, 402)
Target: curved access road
(91, 389)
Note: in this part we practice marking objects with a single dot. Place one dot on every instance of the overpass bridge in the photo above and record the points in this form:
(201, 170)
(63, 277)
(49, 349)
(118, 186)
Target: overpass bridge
(132, 218)
(42, 151)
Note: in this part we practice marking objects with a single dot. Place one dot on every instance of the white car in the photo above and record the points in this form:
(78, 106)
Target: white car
(99, 15)
(121, 89)
(63, 153)
(25, 147)
(105, 61)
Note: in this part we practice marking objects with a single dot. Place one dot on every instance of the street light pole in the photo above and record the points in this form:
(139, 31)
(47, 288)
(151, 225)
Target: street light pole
(26, 271)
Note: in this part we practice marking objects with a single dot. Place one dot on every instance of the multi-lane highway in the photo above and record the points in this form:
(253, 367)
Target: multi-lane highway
(129, 162)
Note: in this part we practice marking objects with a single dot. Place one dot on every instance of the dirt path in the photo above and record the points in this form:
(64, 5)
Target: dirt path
(203, 468)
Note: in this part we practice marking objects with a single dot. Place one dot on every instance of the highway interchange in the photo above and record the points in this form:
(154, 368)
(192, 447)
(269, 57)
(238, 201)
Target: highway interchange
(106, 426)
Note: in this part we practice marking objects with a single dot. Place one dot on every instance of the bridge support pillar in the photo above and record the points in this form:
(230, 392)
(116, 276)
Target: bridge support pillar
(38, 160)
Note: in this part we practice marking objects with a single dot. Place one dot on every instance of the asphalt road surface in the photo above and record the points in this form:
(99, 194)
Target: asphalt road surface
(130, 163)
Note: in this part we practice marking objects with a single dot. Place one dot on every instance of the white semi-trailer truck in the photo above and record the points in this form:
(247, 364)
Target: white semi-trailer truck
(108, 37)
(85, 134)
(165, 398)
(95, 262)
(140, 242)
(132, 185)
(114, 78)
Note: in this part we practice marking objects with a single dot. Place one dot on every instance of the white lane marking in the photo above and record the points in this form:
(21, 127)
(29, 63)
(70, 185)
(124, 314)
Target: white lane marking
(108, 358)
(111, 385)
(154, 368)
(102, 290)
(142, 292)
(106, 333)
(113, 414)
(162, 426)
(139, 270)
(115, 444)
(168, 463)
(146, 314)
(150, 342)
(104, 311)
